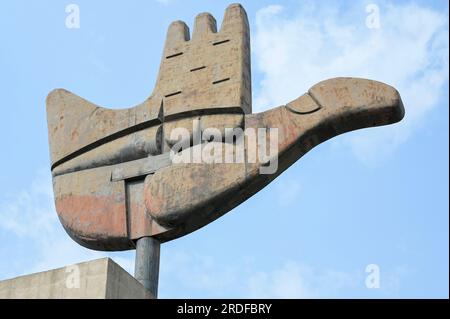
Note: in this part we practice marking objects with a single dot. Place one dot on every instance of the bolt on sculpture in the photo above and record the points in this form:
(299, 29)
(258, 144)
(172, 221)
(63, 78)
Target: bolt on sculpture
(116, 183)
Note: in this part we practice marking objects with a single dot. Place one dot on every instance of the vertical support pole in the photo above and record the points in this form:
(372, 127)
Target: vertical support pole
(146, 269)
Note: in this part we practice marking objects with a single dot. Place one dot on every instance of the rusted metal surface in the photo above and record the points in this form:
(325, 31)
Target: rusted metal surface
(114, 181)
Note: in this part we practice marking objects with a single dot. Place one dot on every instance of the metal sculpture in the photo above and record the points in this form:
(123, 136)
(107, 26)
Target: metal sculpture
(116, 183)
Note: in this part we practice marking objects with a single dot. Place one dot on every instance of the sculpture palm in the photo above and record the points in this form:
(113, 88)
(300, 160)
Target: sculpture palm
(113, 178)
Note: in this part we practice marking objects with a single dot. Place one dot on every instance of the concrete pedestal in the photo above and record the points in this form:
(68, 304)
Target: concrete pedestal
(97, 279)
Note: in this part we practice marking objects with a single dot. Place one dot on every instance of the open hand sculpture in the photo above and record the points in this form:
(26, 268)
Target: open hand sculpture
(118, 175)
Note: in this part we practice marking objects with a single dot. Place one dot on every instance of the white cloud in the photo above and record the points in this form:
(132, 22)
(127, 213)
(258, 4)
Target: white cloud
(391, 280)
(189, 274)
(30, 212)
(293, 280)
(29, 217)
(287, 282)
(293, 51)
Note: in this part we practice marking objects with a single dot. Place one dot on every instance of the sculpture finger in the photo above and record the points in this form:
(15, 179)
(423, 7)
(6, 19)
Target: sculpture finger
(205, 24)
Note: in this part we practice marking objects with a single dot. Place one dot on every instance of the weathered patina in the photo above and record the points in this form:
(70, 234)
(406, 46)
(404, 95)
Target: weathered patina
(113, 177)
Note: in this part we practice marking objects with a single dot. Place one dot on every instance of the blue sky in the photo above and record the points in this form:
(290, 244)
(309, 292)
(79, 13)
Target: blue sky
(376, 196)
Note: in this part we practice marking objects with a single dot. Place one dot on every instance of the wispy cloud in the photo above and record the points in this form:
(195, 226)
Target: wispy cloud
(29, 217)
(188, 274)
(293, 280)
(409, 51)
(286, 282)
(29, 213)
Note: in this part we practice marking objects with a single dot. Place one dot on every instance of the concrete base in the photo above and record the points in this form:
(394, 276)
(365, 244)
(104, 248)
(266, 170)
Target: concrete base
(97, 279)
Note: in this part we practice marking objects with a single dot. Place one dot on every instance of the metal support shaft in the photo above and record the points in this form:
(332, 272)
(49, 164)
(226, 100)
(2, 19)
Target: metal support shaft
(146, 269)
